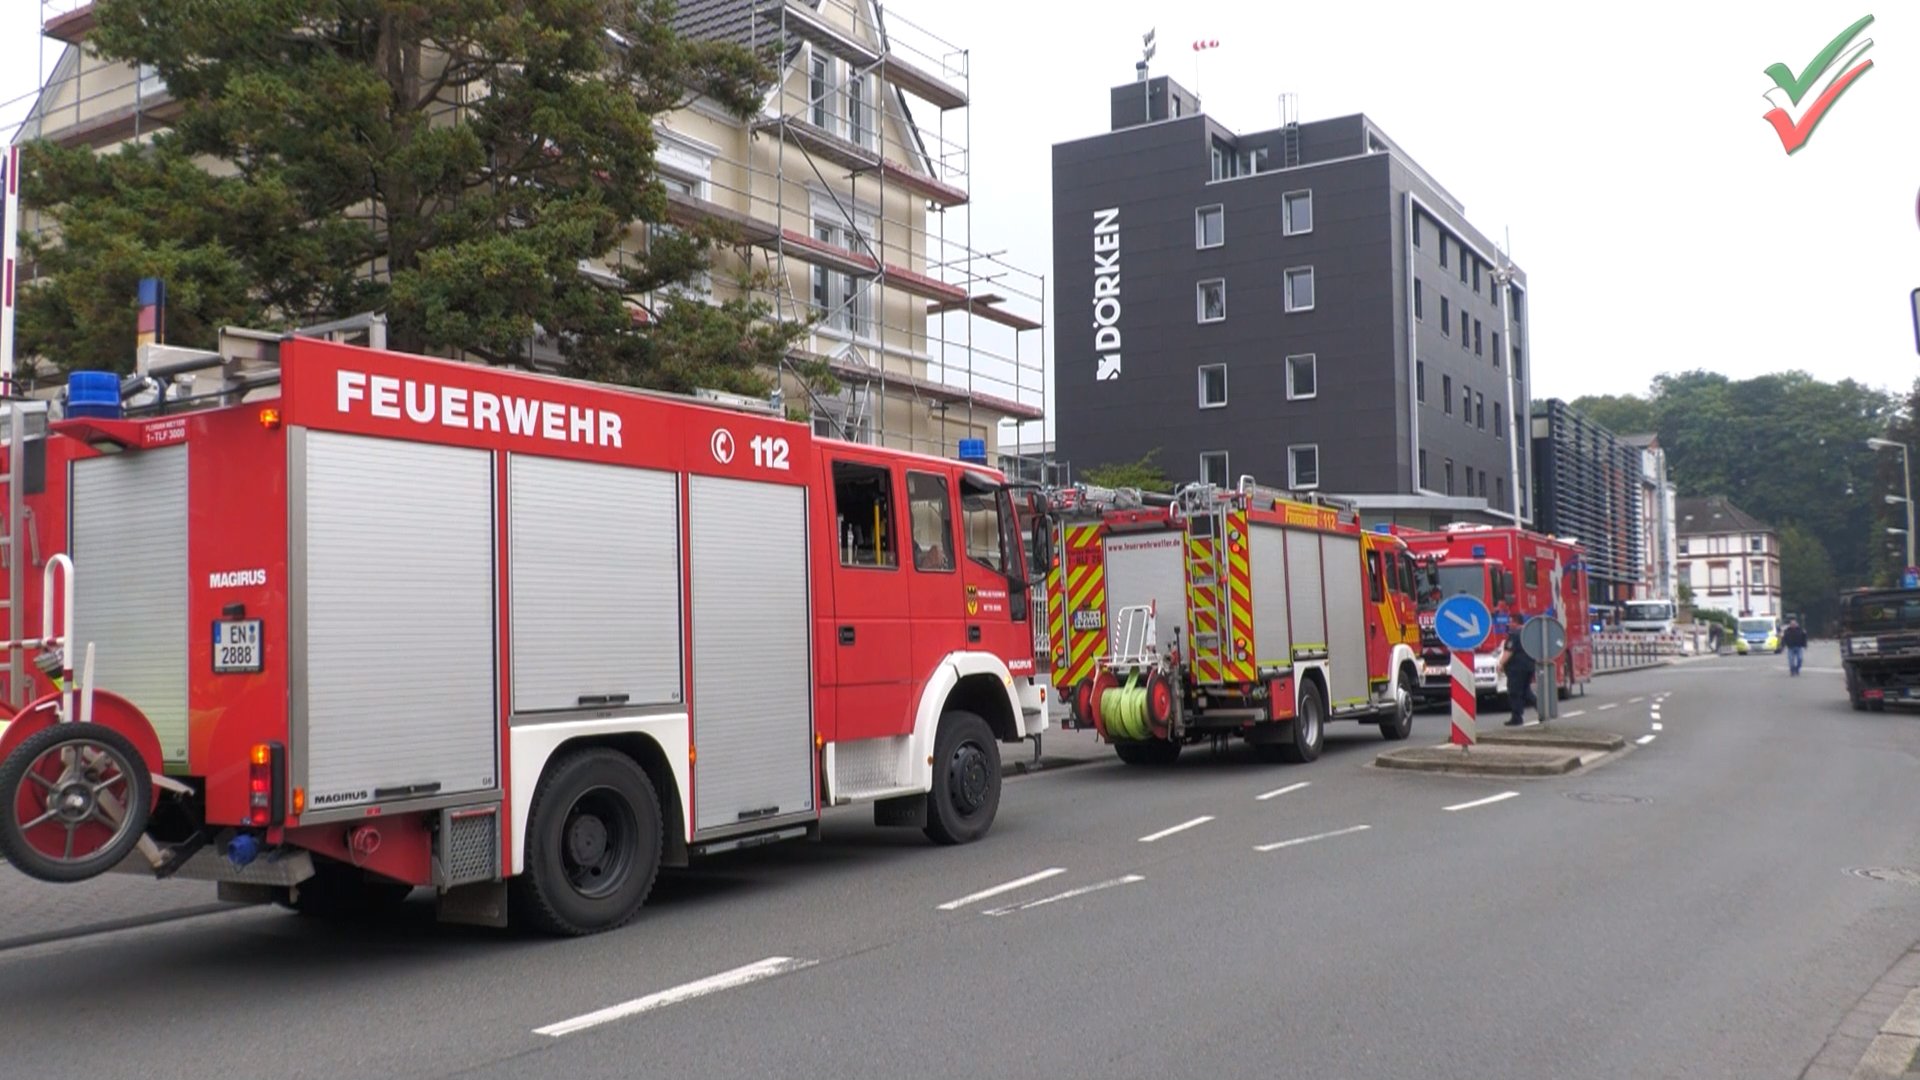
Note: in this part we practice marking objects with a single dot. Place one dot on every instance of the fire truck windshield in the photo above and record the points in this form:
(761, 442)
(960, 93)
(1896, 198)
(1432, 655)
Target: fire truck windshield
(1455, 581)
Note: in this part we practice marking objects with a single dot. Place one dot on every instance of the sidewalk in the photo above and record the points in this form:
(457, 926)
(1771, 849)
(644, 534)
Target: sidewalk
(1058, 749)
(34, 911)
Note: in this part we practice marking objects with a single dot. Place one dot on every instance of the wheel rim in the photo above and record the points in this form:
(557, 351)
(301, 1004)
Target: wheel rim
(72, 801)
(968, 778)
(1312, 716)
(1403, 703)
(596, 842)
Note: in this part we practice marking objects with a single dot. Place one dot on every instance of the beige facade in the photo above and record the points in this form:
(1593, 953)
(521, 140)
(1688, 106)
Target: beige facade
(846, 199)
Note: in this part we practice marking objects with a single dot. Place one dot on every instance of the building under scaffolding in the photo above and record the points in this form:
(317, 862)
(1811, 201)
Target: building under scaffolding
(845, 202)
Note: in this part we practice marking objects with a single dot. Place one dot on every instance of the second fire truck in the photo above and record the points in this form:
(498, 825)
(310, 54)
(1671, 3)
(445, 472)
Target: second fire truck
(1228, 612)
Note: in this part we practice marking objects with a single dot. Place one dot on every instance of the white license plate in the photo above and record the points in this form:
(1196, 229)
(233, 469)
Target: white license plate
(236, 645)
(1088, 620)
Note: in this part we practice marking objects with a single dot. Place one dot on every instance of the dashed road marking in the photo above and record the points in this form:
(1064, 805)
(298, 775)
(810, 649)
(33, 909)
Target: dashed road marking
(1277, 792)
(1019, 883)
(1644, 739)
(1604, 708)
(1636, 700)
(1502, 797)
(1068, 895)
(1182, 827)
(727, 980)
(1310, 839)
(1574, 713)
(1657, 726)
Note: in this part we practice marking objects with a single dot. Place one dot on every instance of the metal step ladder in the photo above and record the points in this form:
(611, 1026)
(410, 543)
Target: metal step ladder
(24, 421)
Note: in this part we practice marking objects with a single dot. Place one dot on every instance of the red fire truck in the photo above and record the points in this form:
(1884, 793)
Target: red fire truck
(1515, 572)
(1248, 612)
(413, 622)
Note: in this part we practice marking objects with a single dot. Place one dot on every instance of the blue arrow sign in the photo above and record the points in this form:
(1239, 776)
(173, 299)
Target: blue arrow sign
(1462, 622)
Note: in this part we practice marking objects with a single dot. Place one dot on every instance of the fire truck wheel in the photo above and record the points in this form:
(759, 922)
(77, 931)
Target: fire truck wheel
(593, 845)
(1148, 752)
(966, 780)
(1309, 730)
(1400, 725)
(74, 800)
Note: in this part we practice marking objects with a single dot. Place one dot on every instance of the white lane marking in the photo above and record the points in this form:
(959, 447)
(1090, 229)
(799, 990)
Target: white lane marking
(1644, 739)
(712, 984)
(1068, 895)
(1604, 708)
(1277, 792)
(1182, 827)
(1657, 726)
(1636, 700)
(1502, 797)
(1020, 883)
(1311, 839)
(1574, 713)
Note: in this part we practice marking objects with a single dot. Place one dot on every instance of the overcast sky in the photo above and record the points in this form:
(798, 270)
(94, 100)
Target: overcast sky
(1659, 220)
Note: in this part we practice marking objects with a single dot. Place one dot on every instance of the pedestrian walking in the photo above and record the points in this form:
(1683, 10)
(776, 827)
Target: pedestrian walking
(1519, 669)
(1795, 639)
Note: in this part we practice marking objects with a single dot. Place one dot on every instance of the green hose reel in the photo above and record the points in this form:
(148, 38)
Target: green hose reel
(1124, 710)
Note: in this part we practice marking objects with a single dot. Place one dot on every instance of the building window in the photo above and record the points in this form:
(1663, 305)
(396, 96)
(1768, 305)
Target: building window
(1483, 483)
(820, 91)
(1420, 380)
(1303, 377)
(1213, 386)
(1466, 404)
(860, 119)
(1493, 294)
(1480, 411)
(1210, 227)
(1423, 465)
(1419, 302)
(1500, 492)
(1211, 300)
(1718, 577)
(1446, 392)
(1300, 289)
(1446, 316)
(1175, 101)
(1759, 576)
(1464, 260)
(1519, 302)
(1443, 250)
(1476, 277)
(843, 300)
(1478, 340)
(1519, 372)
(1466, 339)
(1756, 543)
(1499, 421)
(1496, 348)
(1447, 470)
(1213, 468)
(1416, 228)
(1683, 545)
(1296, 212)
(1303, 467)
(1468, 479)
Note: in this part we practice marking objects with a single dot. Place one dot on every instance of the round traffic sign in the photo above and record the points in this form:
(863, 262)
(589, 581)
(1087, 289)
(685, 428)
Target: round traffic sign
(1544, 638)
(1462, 622)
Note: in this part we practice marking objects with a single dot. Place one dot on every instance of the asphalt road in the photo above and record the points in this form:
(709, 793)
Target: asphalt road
(1682, 910)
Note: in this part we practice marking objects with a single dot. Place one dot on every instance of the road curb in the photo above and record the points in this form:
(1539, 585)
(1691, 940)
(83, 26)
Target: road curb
(1879, 1037)
(1486, 760)
(131, 922)
(1633, 668)
(1573, 739)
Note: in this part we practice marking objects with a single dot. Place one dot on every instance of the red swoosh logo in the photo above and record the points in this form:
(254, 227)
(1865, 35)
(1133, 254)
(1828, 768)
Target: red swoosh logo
(1792, 135)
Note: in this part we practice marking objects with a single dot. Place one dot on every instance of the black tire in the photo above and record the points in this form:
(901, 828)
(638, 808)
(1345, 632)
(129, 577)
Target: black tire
(1877, 705)
(135, 794)
(1859, 703)
(1400, 724)
(1306, 733)
(593, 845)
(337, 891)
(1153, 752)
(966, 780)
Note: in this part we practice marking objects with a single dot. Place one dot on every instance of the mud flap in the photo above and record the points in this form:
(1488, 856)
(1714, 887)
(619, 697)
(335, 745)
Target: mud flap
(905, 811)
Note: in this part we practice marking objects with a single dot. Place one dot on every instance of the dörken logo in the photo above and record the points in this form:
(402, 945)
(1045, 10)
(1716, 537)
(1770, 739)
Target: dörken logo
(1106, 292)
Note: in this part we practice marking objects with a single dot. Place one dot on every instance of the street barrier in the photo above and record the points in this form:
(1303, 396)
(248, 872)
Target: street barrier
(1617, 649)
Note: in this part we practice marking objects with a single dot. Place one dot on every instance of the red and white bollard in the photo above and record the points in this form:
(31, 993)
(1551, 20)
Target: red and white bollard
(1465, 701)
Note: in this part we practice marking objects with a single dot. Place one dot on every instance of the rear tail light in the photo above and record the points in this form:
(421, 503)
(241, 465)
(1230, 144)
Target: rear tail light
(266, 790)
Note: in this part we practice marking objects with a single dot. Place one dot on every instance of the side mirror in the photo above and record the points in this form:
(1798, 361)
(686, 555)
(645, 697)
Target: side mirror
(1041, 563)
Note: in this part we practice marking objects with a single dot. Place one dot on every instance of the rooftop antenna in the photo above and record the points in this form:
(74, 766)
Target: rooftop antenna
(1147, 49)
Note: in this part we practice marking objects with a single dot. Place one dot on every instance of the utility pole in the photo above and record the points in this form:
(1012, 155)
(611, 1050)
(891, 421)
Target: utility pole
(1906, 482)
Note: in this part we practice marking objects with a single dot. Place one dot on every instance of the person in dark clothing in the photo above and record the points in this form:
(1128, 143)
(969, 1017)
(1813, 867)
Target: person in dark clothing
(1795, 639)
(1519, 668)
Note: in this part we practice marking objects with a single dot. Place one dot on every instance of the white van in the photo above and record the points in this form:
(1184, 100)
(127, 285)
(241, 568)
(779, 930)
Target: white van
(1647, 616)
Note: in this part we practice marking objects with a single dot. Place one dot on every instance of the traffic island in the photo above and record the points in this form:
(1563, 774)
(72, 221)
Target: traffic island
(1554, 735)
(1485, 759)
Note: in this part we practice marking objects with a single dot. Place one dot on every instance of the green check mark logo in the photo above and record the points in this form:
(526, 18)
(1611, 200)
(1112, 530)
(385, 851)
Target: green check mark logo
(1797, 88)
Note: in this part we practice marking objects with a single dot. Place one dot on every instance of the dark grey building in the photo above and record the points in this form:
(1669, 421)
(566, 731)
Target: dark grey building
(1587, 483)
(1304, 305)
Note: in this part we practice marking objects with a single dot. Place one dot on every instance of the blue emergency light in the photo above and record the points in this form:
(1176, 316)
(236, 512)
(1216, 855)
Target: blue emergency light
(1479, 551)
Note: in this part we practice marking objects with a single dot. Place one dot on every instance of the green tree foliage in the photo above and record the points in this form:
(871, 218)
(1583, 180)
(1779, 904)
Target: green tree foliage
(318, 171)
(1807, 581)
(1144, 474)
(1787, 448)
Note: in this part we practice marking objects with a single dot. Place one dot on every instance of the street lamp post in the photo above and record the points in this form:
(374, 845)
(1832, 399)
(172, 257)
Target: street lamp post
(1906, 481)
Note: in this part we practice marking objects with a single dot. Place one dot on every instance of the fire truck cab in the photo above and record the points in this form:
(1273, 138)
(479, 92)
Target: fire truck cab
(380, 621)
(1516, 573)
